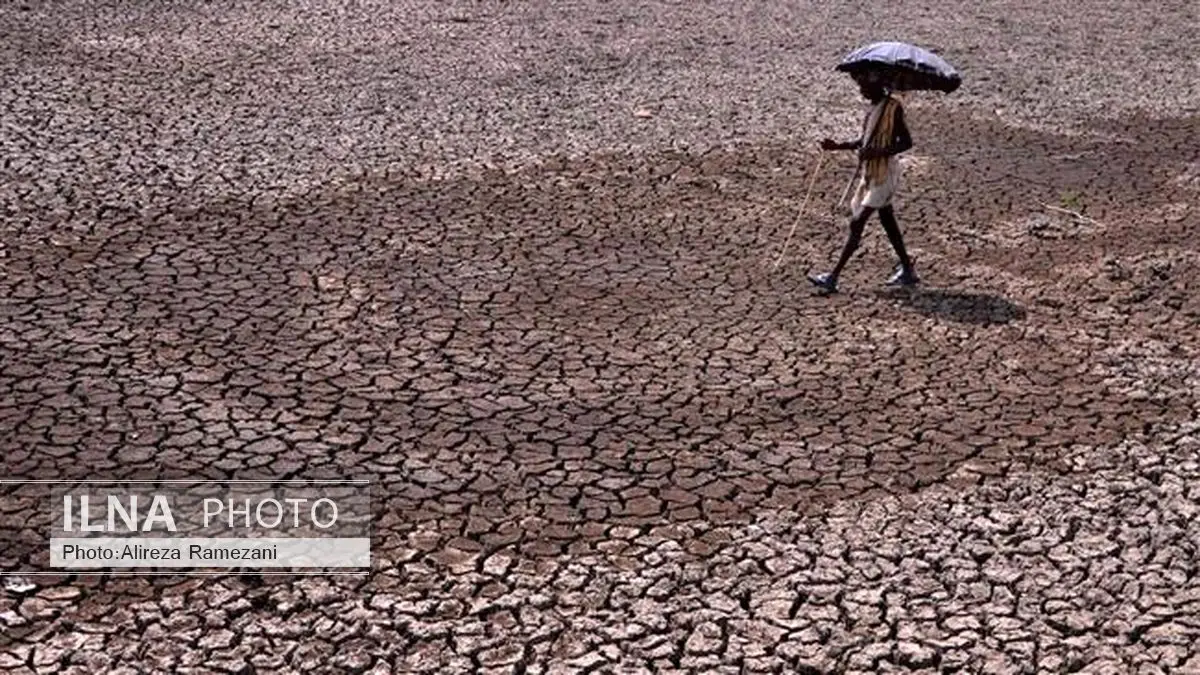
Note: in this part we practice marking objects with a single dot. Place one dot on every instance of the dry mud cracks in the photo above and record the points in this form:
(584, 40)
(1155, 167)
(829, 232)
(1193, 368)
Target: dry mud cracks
(512, 261)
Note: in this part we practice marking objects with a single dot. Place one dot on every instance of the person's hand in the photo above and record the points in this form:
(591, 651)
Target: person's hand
(829, 144)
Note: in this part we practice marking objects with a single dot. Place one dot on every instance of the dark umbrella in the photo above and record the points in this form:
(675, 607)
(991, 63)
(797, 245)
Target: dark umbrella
(903, 67)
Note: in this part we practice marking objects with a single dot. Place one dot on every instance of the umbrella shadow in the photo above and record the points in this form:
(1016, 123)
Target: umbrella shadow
(980, 309)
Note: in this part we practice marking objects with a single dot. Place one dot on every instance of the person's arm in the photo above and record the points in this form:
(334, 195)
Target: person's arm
(829, 144)
(901, 140)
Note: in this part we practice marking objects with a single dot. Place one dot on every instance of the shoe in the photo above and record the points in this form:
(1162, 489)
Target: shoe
(825, 282)
(903, 277)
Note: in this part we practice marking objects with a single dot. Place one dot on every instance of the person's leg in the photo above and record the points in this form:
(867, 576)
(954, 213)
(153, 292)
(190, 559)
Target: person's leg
(887, 216)
(906, 274)
(857, 223)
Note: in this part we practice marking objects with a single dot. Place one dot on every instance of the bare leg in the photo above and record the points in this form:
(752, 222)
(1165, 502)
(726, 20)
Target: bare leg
(905, 276)
(858, 222)
(887, 216)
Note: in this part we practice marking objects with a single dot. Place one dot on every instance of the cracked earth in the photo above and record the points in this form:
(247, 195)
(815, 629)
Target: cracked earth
(512, 261)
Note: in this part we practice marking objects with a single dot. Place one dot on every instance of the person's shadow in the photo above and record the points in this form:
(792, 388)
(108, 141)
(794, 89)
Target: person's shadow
(973, 308)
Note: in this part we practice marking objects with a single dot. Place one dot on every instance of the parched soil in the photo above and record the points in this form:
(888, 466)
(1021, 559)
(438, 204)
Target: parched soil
(515, 262)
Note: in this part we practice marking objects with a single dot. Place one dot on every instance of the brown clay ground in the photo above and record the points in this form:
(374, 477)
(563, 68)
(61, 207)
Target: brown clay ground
(431, 244)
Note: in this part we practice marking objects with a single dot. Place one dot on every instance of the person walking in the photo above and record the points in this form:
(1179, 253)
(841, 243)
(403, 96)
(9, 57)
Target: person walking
(885, 136)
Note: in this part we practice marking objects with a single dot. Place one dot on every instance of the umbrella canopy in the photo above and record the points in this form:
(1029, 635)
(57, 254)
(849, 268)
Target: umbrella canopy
(903, 67)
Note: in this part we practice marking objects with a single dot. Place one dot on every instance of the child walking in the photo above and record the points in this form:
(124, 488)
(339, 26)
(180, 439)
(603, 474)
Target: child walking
(884, 136)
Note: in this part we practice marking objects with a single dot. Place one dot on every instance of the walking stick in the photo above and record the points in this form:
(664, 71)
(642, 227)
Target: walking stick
(803, 205)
